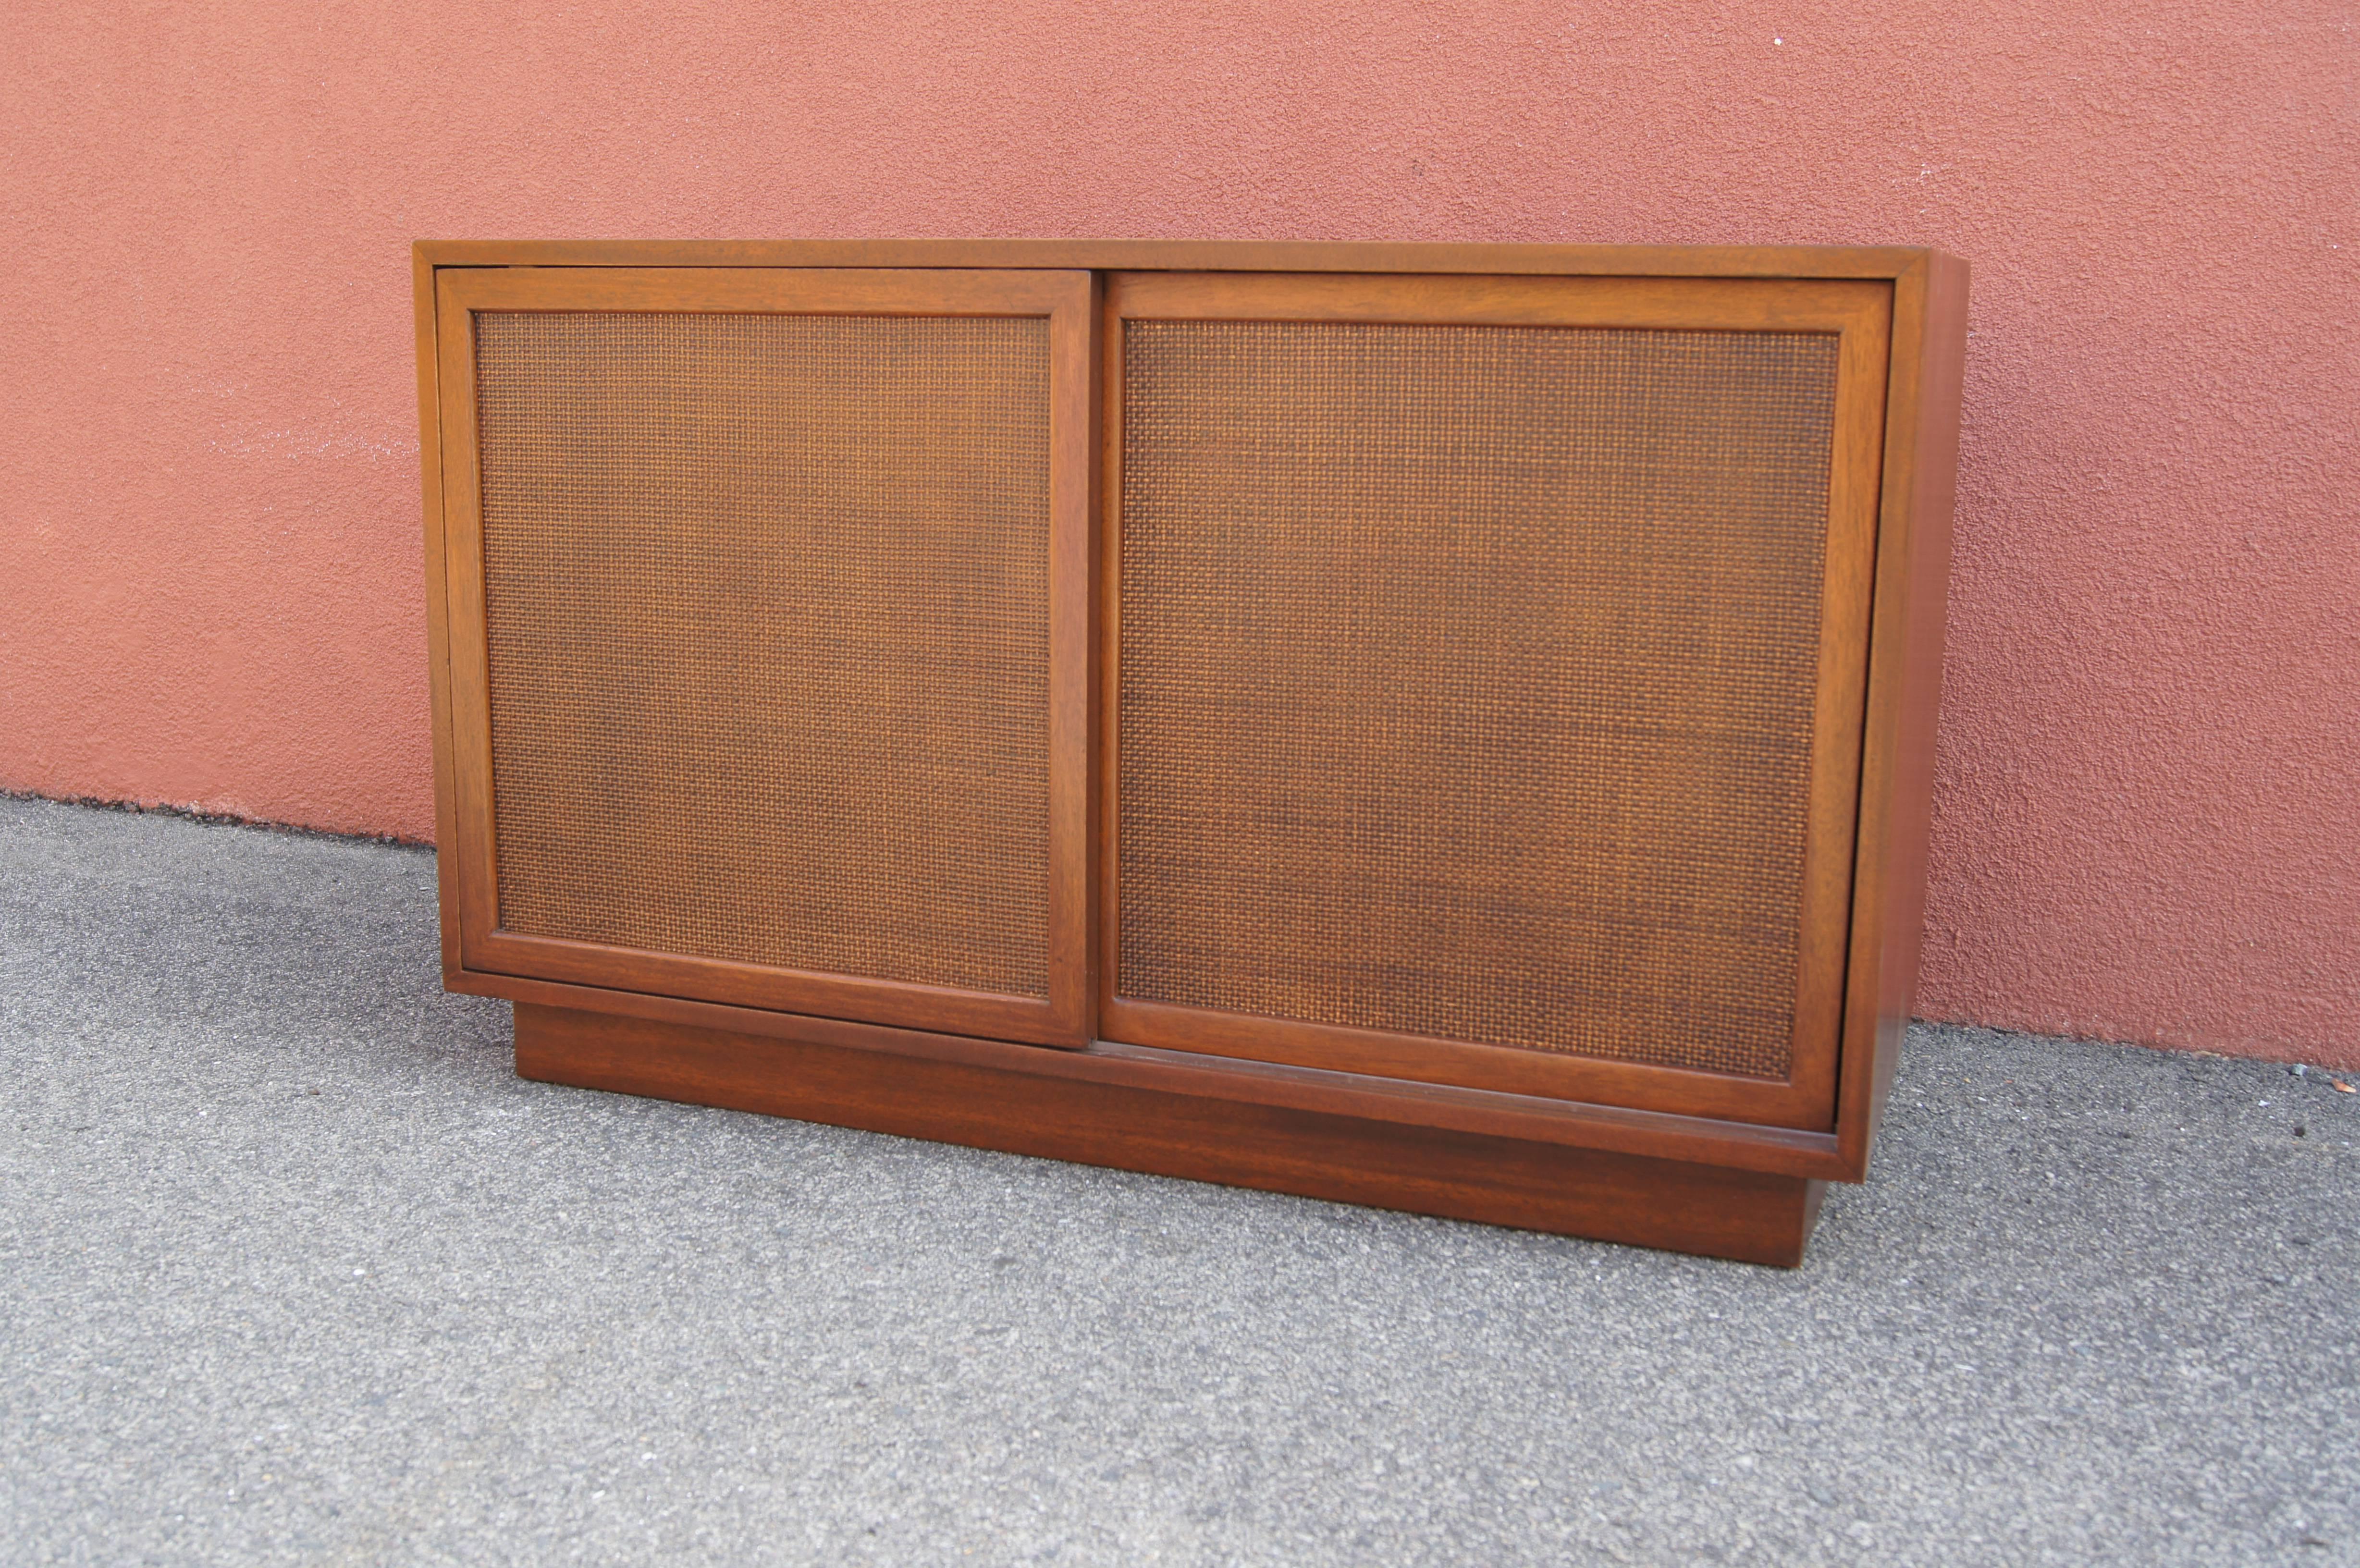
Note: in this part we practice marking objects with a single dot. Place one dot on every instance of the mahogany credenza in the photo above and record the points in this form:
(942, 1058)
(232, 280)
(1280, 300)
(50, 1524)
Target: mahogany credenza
(1447, 728)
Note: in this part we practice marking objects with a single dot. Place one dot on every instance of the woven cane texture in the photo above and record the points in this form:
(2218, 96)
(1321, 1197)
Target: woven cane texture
(1467, 679)
(767, 607)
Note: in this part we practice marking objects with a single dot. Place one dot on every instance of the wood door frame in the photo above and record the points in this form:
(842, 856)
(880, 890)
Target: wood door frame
(474, 941)
(1860, 315)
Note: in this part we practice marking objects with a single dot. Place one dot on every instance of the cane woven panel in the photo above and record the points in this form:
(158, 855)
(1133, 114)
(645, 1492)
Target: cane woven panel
(767, 612)
(1468, 676)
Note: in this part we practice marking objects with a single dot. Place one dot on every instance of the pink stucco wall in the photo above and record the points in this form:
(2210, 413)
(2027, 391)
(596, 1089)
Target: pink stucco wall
(2148, 815)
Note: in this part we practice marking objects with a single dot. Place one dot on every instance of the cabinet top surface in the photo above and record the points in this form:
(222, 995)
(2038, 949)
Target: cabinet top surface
(1200, 255)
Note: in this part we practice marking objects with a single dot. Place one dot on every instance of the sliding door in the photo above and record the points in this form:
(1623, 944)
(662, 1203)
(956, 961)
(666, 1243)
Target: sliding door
(769, 623)
(1486, 663)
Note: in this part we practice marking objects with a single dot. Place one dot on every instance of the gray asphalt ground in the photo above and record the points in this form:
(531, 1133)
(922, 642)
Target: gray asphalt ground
(292, 1270)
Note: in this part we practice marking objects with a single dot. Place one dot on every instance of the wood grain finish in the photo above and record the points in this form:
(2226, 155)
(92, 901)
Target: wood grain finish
(1905, 681)
(1197, 256)
(438, 587)
(1737, 1146)
(1728, 1165)
(1717, 1212)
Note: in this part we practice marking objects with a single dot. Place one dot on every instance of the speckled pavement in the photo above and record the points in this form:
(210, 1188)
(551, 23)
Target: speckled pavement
(292, 1270)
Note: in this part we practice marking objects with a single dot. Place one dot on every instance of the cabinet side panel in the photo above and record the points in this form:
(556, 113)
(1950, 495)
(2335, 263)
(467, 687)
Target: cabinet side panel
(438, 624)
(1906, 688)
(1933, 490)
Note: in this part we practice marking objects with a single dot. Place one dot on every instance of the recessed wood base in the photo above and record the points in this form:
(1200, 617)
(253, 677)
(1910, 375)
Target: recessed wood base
(1680, 1205)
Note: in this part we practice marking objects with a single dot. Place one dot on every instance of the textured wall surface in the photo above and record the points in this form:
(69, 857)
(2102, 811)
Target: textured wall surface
(2147, 807)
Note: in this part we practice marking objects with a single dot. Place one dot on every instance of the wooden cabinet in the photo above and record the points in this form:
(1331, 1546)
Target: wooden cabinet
(1447, 728)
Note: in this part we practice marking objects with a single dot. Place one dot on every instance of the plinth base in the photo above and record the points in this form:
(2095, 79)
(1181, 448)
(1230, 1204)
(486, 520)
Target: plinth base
(1179, 1116)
